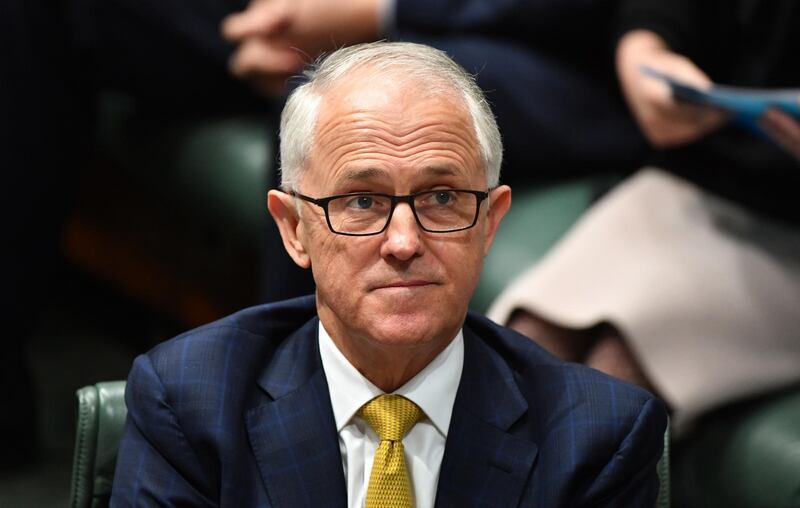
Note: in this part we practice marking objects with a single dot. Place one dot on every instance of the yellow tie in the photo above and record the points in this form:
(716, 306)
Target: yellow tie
(391, 417)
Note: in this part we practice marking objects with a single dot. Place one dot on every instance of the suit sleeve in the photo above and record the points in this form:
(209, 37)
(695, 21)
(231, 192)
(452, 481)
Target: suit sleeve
(156, 465)
(630, 479)
(703, 31)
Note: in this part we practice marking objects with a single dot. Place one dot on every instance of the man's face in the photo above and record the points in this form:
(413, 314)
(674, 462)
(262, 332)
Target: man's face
(404, 287)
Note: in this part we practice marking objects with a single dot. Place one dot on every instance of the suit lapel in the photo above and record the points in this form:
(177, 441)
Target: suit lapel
(292, 430)
(483, 462)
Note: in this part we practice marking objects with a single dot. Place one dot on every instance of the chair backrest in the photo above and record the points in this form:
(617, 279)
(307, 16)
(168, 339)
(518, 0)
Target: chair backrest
(101, 416)
(101, 413)
(744, 455)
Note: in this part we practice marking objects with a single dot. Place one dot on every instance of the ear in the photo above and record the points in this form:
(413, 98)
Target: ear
(499, 203)
(282, 208)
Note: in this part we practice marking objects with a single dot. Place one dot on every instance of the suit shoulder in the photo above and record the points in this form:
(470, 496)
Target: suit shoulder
(234, 348)
(595, 434)
(556, 386)
(243, 333)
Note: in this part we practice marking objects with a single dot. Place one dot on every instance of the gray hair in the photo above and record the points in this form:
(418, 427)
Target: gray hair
(433, 68)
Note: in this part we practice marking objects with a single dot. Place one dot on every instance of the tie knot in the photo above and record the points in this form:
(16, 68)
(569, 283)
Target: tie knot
(390, 416)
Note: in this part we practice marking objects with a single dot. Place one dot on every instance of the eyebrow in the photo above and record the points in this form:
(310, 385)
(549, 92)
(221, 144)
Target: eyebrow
(441, 171)
(364, 174)
(373, 173)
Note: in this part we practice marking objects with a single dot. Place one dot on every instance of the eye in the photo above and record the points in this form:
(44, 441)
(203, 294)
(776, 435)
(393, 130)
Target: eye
(361, 202)
(443, 197)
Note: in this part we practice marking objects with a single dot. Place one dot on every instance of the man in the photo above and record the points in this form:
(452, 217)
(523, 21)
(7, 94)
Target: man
(390, 167)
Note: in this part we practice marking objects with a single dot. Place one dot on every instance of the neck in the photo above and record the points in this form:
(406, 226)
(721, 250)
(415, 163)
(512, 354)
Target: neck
(391, 376)
(387, 366)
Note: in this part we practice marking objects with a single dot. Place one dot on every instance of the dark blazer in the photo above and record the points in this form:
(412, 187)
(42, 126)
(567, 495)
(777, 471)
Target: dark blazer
(237, 413)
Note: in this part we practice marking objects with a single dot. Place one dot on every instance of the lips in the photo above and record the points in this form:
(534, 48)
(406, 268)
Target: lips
(404, 284)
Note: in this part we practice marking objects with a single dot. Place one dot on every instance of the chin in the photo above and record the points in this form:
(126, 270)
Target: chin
(414, 302)
(405, 329)
(406, 317)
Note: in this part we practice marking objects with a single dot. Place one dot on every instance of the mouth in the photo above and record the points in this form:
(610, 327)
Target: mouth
(405, 284)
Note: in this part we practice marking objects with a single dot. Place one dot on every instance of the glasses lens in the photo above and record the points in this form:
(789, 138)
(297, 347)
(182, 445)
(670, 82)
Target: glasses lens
(359, 213)
(446, 210)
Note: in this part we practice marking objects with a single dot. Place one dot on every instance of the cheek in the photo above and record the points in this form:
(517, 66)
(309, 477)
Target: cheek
(469, 269)
(462, 257)
(336, 262)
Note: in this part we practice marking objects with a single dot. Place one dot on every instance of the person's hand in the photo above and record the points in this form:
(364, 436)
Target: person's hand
(277, 37)
(783, 129)
(663, 120)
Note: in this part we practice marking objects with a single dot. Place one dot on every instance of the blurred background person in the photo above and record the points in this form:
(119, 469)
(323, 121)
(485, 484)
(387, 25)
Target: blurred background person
(686, 277)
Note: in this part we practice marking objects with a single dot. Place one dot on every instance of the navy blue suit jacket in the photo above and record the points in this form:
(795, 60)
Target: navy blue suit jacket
(237, 413)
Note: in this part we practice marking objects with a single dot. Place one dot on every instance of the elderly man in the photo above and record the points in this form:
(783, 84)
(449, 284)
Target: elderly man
(382, 390)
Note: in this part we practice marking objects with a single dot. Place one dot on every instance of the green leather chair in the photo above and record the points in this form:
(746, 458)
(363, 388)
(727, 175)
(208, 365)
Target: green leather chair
(101, 416)
(173, 210)
(746, 455)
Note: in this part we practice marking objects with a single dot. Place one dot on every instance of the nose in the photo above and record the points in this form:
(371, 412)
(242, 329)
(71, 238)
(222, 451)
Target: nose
(402, 236)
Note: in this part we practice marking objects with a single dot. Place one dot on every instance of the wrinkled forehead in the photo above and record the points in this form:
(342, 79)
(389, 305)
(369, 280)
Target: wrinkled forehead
(396, 115)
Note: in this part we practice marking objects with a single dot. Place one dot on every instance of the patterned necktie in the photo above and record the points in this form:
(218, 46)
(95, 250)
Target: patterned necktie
(391, 417)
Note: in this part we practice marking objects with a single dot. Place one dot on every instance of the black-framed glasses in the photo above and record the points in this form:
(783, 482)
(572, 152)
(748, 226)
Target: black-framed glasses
(369, 213)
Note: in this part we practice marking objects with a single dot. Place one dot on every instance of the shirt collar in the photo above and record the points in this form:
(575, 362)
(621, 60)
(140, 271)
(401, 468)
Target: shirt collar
(433, 389)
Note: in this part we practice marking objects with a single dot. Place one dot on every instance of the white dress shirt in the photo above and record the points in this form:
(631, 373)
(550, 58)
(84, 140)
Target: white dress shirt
(433, 390)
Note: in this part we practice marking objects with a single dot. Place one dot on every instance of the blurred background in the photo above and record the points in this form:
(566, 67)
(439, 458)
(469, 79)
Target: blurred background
(139, 140)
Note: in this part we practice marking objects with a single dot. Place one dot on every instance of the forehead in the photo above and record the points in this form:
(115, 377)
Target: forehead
(379, 125)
